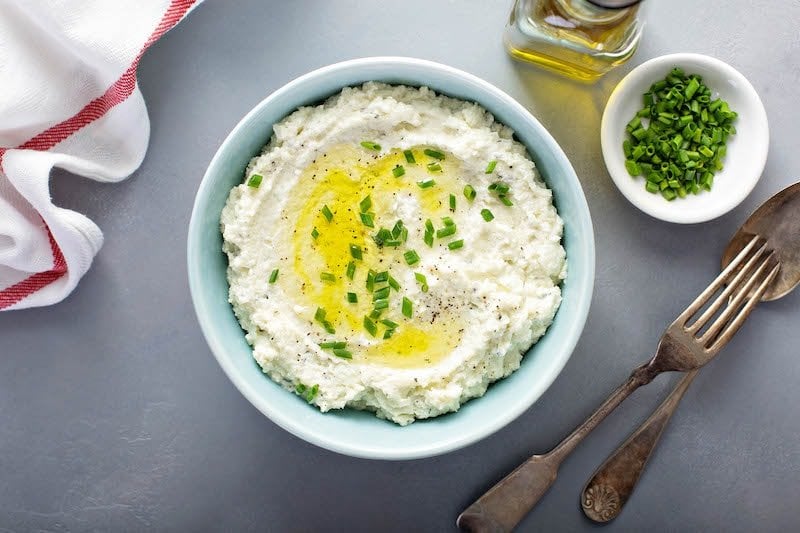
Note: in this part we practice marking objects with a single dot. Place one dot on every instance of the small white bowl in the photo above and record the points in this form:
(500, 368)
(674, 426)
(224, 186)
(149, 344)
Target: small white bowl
(746, 152)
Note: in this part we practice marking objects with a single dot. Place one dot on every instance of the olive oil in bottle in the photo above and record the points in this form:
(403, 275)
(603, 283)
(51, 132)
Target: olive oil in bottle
(581, 39)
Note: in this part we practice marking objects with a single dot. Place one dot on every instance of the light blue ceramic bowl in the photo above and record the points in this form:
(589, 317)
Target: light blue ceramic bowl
(358, 433)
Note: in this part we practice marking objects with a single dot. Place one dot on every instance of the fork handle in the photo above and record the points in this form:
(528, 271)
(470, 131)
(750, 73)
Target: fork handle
(614, 481)
(503, 506)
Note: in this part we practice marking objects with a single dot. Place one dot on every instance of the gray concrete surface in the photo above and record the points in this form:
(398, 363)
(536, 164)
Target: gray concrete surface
(114, 415)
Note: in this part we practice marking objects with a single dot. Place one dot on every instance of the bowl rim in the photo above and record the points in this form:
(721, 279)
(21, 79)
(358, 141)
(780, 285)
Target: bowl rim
(612, 152)
(582, 299)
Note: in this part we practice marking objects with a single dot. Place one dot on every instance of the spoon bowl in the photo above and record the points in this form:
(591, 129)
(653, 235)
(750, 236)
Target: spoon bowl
(778, 221)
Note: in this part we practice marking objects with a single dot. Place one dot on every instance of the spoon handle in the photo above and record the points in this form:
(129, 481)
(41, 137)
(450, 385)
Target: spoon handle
(614, 481)
(503, 506)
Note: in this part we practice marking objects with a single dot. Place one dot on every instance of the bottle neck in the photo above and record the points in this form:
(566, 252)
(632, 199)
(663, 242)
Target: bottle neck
(589, 11)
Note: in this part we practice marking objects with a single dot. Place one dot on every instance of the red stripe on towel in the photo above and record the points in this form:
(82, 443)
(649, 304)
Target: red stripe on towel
(117, 93)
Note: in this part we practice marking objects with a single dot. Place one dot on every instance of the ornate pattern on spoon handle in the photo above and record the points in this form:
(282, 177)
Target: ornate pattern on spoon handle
(614, 481)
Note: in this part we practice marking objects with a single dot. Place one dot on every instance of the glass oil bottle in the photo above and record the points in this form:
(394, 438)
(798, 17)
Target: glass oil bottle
(582, 39)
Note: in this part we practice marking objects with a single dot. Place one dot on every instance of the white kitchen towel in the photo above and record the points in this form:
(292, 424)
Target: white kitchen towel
(68, 99)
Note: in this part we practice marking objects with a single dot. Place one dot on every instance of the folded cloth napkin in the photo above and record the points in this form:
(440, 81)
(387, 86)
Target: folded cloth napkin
(68, 99)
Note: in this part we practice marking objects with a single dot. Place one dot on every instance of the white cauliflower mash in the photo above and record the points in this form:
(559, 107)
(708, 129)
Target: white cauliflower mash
(392, 250)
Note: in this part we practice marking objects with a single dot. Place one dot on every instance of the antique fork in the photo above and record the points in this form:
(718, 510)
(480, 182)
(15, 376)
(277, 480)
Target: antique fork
(685, 345)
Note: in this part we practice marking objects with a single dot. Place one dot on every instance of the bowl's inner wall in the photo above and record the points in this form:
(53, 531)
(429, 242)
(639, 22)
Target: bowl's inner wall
(348, 430)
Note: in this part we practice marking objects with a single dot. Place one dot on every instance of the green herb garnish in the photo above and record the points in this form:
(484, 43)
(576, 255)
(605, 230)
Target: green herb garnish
(327, 213)
(434, 167)
(436, 154)
(407, 307)
(455, 245)
(683, 141)
(423, 281)
(255, 181)
(365, 204)
(352, 297)
(452, 202)
(355, 251)
(490, 167)
(446, 231)
(314, 234)
(327, 277)
(487, 215)
(332, 345)
(369, 145)
(409, 157)
(427, 184)
(367, 220)
(343, 353)
(274, 276)
(411, 257)
(469, 192)
(351, 270)
(398, 171)
(393, 283)
(370, 326)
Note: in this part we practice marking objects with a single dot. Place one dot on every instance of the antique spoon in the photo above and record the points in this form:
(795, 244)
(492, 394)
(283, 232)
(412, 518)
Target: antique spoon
(777, 221)
(687, 344)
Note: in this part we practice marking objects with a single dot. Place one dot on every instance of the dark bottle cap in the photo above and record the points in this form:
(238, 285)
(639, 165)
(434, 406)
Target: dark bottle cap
(614, 4)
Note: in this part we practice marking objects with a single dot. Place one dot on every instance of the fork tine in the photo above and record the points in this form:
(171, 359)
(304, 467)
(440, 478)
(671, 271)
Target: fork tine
(717, 283)
(743, 274)
(735, 303)
(734, 325)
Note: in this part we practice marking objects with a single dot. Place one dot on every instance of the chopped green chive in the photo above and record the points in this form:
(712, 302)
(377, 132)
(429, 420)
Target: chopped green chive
(274, 276)
(397, 229)
(393, 243)
(355, 251)
(505, 199)
(398, 171)
(370, 326)
(365, 204)
(381, 294)
(352, 297)
(407, 307)
(382, 277)
(371, 280)
(499, 187)
(389, 324)
(351, 270)
(428, 238)
(319, 315)
(426, 184)
(455, 245)
(338, 345)
(327, 277)
(452, 202)
(487, 215)
(436, 154)
(382, 236)
(423, 281)
(376, 314)
(447, 221)
(379, 305)
(343, 353)
(393, 283)
(328, 327)
(434, 167)
(388, 333)
(404, 234)
(255, 181)
(409, 157)
(469, 192)
(367, 220)
(314, 234)
(327, 213)
(429, 225)
(446, 231)
(490, 167)
(369, 145)
(411, 257)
